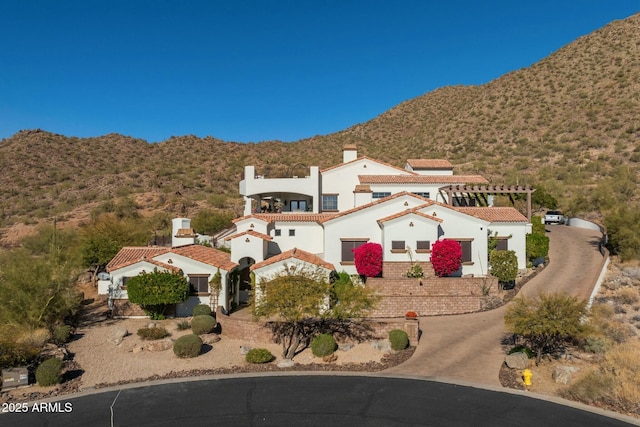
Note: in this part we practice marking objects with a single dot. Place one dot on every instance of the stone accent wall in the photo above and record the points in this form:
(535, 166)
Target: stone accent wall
(398, 269)
(251, 331)
(125, 308)
(242, 328)
(430, 295)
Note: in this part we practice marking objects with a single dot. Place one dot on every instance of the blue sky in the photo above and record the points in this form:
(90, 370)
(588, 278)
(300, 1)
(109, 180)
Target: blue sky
(251, 71)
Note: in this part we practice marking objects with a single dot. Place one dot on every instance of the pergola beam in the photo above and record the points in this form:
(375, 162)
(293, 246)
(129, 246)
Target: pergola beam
(490, 189)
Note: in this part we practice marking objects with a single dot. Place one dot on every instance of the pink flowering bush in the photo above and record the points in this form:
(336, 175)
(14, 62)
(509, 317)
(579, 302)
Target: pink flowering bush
(446, 257)
(368, 259)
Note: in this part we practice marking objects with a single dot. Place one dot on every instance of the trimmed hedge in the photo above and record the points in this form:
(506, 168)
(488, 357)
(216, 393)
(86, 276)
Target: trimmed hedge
(202, 324)
(259, 355)
(49, 372)
(323, 345)
(201, 309)
(188, 346)
(399, 339)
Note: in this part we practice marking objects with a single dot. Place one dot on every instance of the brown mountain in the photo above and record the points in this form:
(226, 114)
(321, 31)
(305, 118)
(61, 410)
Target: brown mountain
(568, 123)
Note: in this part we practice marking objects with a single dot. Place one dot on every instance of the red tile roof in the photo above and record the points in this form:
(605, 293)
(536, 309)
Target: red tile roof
(252, 233)
(289, 217)
(359, 208)
(206, 255)
(430, 164)
(132, 254)
(493, 214)
(294, 253)
(410, 211)
(422, 179)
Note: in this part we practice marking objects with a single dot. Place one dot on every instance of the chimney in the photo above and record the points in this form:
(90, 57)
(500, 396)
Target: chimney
(349, 153)
(182, 233)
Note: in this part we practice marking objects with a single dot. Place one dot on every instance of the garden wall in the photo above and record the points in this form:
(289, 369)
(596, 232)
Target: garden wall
(244, 328)
(429, 295)
(125, 308)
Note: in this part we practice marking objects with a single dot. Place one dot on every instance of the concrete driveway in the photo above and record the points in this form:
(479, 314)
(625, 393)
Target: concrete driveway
(469, 347)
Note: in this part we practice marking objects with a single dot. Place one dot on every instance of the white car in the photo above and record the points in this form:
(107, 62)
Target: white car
(554, 217)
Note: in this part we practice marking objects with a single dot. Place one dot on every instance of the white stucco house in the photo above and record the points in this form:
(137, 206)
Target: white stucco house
(320, 218)
(198, 263)
(330, 212)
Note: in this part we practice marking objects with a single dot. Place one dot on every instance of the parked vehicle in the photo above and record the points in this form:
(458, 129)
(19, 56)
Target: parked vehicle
(554, 217)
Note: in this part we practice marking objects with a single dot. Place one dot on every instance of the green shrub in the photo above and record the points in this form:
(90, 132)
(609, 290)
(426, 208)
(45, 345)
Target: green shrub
(49, 372)
(183, 325)
(259, 355)
(323, 345)
(504, 265)
(155, 333)
(399, 339)
(201, 309)
(522, 349)
(61, 334)
(596, 345)
(202, 324)
(537, 246)
(187, 346)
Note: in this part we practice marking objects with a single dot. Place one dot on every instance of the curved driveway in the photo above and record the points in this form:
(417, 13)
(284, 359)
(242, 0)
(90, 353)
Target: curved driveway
(469, 347)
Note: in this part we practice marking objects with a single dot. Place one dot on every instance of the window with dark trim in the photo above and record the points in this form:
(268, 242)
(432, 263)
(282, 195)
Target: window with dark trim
(125, 279)
(466, 251)
(424, 194)
(277, 232)
(423, 246)
(348, 245)
(292, 232)
(380, 194)
(502, 244)
(198, 284)
(398, 246)
(329, 202)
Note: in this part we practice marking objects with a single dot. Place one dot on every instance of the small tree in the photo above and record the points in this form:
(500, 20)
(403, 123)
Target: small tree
(446, 257)
(547, 321)
(504, 265)
(155, 290)
(300, 297)
(368, 259)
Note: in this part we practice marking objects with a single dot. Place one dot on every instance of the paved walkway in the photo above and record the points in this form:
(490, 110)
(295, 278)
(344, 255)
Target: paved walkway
(469, 347)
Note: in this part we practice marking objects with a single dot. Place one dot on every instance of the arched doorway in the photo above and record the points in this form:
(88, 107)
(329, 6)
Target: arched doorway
(244, 283)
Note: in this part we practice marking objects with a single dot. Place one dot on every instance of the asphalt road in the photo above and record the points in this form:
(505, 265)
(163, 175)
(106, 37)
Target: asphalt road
(310, 401)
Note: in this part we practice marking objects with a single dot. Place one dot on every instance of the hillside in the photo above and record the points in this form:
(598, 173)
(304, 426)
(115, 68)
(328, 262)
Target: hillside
(568, 123)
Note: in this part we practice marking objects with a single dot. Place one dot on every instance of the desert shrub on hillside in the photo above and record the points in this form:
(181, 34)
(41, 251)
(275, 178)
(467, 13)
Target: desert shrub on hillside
(49, 372)
(613, 382)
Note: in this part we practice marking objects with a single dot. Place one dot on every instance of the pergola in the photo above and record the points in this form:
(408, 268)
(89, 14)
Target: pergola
(479, 192)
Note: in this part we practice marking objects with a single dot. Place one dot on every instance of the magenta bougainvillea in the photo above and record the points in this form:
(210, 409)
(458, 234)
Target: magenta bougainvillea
(446, 257)
(368, 259)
